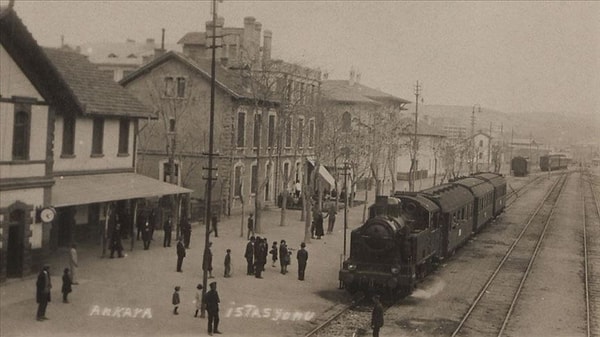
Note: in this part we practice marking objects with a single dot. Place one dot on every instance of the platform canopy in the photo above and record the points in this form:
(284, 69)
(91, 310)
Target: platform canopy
(96, 188)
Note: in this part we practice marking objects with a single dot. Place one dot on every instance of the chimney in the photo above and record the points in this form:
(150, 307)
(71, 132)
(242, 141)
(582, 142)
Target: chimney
(247, 38)
(358, 76)
(162, 40)
(351, 81)
(267, 46)
(256, 42)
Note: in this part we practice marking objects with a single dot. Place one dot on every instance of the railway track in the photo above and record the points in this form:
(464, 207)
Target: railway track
(492, 308)
(514, 195)
(591, 250)
(350, 320)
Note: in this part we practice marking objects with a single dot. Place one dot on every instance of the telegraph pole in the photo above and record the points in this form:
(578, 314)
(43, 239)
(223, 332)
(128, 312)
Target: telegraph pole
(473, 152)
(414, 164)
(211, 144)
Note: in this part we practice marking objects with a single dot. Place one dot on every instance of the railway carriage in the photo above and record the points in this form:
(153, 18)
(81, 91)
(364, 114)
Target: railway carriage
(499, 183)
(483, 193)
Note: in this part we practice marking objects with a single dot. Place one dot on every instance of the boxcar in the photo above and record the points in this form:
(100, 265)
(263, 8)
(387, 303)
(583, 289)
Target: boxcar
(519, 166)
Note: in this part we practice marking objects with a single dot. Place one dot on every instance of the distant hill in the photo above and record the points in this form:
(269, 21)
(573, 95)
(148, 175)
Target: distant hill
(552, 128)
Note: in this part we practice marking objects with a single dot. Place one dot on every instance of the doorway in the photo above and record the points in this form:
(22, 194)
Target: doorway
(14, 253)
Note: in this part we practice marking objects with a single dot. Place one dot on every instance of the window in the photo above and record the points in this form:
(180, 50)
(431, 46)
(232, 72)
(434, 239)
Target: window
(288, 133)
(301, 132)
(171, 125)
(237, 192)
(97, 136)
(180, 86)
(311, 133)
(254, 183)
(481, 143)
(68, 140)
(346, 121)
(124, 136)
(169, 87)
(21, 131)
(480, 155)
(271, 134)
(286, 171)
(241, 129)
(257, 125)
(167, 172)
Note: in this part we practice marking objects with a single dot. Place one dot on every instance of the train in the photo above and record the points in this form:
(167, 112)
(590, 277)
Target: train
(553, 162)
(408, 234)
(519, 166)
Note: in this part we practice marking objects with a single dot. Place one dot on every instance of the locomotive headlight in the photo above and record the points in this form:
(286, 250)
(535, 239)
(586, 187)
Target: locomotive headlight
(395, 270)
(351, 267)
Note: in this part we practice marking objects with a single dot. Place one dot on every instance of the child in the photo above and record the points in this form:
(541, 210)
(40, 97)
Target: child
(176, 300)
(66, 285)
(198, 299)
(228, 263)
(273, 252)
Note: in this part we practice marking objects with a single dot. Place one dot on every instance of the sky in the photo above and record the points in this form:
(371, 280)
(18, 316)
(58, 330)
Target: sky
(508, 56)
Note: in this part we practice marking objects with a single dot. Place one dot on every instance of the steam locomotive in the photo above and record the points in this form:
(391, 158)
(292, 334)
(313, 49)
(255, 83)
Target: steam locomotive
(409, 233)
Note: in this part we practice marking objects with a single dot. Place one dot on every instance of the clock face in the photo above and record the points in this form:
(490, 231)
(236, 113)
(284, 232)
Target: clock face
(47, 214)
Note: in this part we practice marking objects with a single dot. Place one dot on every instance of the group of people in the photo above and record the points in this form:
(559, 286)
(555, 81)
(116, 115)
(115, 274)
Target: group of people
(210, 301)
(257, 251)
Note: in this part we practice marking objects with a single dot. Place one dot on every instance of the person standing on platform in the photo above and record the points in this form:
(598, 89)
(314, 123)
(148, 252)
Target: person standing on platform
(214, 221)
(250, 226)
(43, 286)
(176, 300)
(168, 228)
(147, 234)
(116, 243)
(207, 260)
(331, 212)
(180, 255)
(66, 285)
(302, 257)
(376, 316)
(73, 263)
(274, 252)
(227, 272)
(284, 256)
(211, 300)
(186, 231)
(198, 299)
(249, 255)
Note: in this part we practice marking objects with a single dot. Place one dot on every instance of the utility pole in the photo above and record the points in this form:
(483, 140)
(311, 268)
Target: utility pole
(211, 137)
(473, 152)
(414, 164)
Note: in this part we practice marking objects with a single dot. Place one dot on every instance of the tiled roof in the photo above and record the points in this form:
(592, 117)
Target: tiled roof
(342, 91)
(193, 38)
(96, 92)
(123, 53)
(229, 80)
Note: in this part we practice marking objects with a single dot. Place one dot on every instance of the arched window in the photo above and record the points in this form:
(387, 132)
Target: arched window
(346, 121)
(21, 132)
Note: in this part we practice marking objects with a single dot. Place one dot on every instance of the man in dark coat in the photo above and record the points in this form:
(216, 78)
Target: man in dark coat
(42, 296)
(284, 256)
(260, 257)
(115, 241)
(331, 212)
(147, 234)
(180, 254)
(168, 228)
(250, 226)
(214, 221)
(207, 260)
(186, 231)
(211, 300)
(302, 257)
(376, 316)
(249, 255)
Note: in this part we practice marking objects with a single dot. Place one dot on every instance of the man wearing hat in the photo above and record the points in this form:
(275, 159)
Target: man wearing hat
(211, 300)
(302, 257)
(376, 316)
(43, 286)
